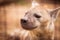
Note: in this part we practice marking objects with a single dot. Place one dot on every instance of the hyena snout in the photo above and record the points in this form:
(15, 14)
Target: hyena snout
(24, 21)
(27, 24)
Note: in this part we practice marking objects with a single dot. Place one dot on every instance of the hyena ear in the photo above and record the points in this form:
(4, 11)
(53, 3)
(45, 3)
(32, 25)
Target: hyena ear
(54, 13)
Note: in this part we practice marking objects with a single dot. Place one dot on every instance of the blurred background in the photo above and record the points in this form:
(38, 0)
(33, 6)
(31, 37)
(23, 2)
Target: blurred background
(11, 12)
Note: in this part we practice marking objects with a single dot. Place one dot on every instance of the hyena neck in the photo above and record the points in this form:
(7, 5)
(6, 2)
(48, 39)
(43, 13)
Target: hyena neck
(43, 34)
(50, 26)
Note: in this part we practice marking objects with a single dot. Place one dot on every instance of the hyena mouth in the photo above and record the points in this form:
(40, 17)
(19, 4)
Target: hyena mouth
(27, 25)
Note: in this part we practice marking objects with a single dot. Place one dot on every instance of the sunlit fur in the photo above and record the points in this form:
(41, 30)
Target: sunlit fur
(45, 27)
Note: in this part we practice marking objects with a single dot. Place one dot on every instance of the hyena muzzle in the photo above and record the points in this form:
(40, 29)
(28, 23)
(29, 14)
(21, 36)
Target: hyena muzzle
(40, 23)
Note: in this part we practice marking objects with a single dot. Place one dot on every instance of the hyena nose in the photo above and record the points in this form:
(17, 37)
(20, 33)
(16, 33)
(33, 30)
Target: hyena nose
(23, 21)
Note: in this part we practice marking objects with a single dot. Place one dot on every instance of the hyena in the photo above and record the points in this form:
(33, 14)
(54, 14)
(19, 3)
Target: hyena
(40, 23)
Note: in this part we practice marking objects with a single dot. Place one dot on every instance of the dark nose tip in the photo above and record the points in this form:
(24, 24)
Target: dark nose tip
(23, 20)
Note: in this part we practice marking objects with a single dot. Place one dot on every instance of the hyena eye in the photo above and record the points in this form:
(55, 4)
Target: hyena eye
(37, 16)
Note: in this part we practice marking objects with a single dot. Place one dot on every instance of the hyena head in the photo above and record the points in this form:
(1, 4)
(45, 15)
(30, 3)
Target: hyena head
(38, 18)
(39, 22)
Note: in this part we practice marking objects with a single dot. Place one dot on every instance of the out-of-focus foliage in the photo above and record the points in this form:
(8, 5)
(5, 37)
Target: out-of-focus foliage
(49, 1)
(23, 2)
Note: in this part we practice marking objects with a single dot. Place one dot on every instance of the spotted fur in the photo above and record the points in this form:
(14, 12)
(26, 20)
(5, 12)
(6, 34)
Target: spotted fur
(45, 24)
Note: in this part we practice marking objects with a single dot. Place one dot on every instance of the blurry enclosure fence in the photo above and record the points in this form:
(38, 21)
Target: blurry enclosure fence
(9, 19)
(9, 10)
(2, 23)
